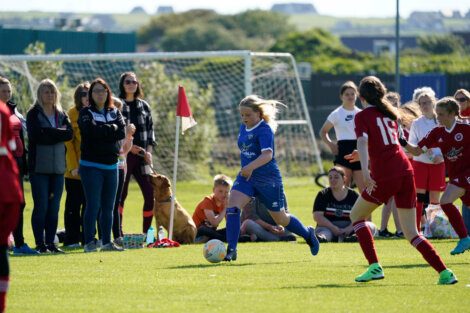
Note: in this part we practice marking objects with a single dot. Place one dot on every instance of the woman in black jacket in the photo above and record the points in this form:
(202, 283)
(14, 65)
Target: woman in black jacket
(48, 128)
(101, 127)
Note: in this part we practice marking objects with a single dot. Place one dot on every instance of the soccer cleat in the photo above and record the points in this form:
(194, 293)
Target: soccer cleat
(53, 249)
(374, 272)
(24, 250)
(231, 255)
(462, 245)
(447, 277)
(312, 241)
(385, 233)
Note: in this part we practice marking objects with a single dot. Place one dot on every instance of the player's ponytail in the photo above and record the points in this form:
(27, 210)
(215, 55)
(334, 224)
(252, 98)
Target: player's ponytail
(267, 108)
(373, 91)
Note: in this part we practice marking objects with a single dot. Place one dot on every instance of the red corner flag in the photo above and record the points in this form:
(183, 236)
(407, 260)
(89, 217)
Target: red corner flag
(183, 110)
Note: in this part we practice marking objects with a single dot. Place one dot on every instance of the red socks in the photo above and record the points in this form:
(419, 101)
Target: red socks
(428, 253)
(366, 241)
(455, 219)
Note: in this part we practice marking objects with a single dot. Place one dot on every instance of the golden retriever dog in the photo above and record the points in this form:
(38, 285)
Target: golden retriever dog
(184, 229)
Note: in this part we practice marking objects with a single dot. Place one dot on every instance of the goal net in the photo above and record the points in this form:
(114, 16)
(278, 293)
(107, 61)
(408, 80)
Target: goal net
(215, 82)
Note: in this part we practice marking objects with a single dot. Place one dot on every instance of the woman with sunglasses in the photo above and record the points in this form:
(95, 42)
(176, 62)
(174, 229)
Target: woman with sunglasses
(137, 111)
(75, 199)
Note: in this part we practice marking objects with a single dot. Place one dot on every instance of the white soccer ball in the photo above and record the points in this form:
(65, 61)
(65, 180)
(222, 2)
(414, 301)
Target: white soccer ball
(214, 251)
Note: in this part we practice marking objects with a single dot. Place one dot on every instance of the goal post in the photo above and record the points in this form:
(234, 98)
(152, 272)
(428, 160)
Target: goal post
(215, 82)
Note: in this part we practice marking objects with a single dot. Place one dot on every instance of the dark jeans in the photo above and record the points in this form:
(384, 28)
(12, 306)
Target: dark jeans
(73, 213)
(100, 192)
(18, 232)
(47, 190)
(117, 216)
(134, 163)
(212, 233)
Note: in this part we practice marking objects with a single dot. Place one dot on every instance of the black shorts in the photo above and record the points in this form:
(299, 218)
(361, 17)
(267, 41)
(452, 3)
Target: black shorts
(346, 147)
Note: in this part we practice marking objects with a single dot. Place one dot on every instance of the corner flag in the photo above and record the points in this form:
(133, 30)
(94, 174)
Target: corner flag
(184, 111)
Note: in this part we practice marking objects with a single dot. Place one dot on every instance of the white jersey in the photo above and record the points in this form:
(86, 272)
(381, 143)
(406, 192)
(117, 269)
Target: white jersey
(419, 129)
(343, 122)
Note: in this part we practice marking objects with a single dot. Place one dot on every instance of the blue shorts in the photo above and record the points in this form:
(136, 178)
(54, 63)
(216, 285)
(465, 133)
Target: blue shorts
(270, 194)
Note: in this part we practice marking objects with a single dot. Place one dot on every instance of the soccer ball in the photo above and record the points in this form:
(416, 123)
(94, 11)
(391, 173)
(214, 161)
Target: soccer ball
(214, 251)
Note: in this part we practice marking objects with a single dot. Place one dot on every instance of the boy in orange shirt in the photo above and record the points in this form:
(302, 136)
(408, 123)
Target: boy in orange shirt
(211, 211)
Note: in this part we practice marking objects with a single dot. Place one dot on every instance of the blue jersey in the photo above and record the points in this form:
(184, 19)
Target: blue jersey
(251, 143)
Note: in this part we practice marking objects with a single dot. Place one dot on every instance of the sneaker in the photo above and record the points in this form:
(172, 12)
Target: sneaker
(462, 245)
(118, 241)
(374, 271)
(73, 245)
(24, 250)
(90, 247)
(312, 241)
(111, 246)
(42, 249)
(399, 234)
(385, 233)
(98, 243)
(231, 255)
(447, 277)
(53, 249)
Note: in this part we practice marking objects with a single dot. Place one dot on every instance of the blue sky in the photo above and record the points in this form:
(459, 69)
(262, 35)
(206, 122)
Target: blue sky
(356, 8)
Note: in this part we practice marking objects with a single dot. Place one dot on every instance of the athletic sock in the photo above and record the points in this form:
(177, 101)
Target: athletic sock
(366, 241)
(4, 277)
(428, 252)
(232, 227)
(147, 222)
(295, 226)
(455, 219)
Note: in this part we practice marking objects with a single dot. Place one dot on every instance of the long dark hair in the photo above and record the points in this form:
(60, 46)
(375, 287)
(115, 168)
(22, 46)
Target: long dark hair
(373, 91)
(109, 97)
(77, 95)
(139, 93)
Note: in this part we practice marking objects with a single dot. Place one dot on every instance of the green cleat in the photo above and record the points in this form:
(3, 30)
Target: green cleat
(462, 245)
(447, 277)
(374, 271)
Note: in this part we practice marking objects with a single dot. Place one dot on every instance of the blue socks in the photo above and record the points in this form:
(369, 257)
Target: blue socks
(233, 227)
(296, 227)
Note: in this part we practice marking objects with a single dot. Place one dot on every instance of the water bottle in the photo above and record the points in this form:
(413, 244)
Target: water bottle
(150, 235)
(161, 233)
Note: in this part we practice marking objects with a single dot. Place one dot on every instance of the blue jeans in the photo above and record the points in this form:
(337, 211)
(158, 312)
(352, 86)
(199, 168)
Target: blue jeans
(47, 190)
(100, 188)
(466, 216)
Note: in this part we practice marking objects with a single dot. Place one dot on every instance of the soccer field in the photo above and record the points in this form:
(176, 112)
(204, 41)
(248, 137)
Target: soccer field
(267, 277)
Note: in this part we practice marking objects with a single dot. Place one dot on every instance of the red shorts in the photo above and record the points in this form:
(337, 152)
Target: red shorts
(9, 214)
(430, 177)
(402, 188)
(463, 181)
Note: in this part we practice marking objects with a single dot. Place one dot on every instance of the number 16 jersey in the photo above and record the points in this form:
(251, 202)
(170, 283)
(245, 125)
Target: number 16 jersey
(386, 156)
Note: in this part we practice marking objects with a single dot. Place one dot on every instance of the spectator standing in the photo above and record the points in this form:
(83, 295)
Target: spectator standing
(342, 120)
(48, 128)
(75, 198)
(138, 112)
(18, 124)
(102, 127)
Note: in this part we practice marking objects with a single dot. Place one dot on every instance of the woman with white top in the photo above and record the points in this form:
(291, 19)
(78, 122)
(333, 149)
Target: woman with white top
(428, 167)
(342, 120)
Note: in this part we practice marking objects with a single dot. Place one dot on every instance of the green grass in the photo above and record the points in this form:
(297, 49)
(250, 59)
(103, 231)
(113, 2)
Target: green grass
(268, 277)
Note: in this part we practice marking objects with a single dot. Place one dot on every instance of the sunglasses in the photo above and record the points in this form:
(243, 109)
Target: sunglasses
(461, 99)
(83, 94)
(130, 82)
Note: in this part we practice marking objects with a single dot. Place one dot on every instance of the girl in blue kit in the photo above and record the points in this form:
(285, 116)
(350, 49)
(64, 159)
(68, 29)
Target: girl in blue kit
(260, 175)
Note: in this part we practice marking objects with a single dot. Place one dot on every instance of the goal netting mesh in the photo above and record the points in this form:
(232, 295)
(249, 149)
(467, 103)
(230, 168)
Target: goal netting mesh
(215, 82)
